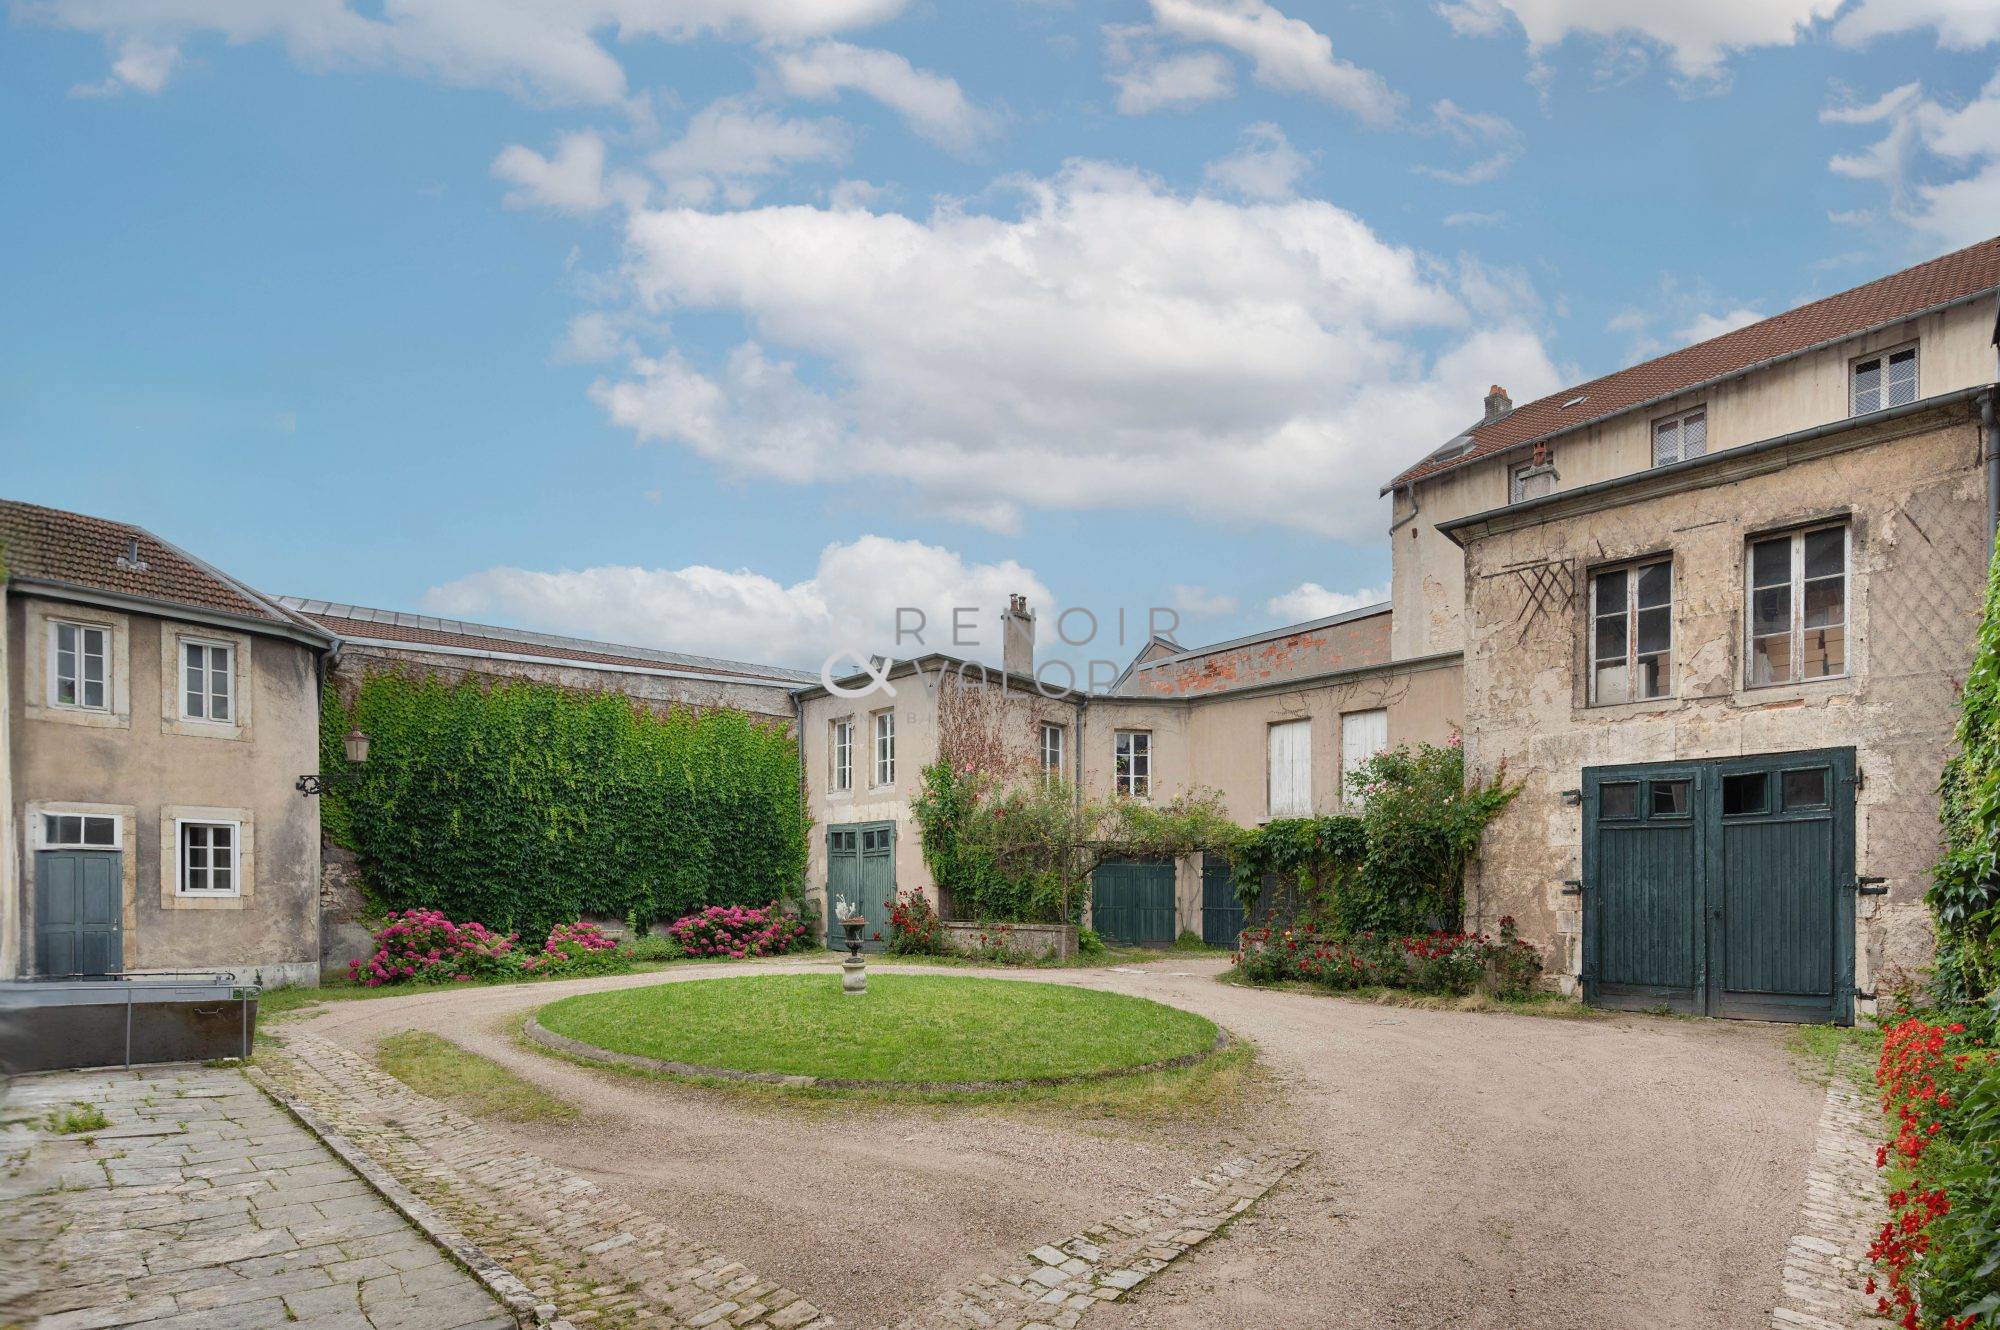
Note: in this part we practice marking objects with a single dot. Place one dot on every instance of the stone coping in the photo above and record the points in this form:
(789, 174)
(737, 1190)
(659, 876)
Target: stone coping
(563, 1044)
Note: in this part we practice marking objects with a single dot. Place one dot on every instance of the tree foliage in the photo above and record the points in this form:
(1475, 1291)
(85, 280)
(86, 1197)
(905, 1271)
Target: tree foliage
(524, 805)
(1965, 888)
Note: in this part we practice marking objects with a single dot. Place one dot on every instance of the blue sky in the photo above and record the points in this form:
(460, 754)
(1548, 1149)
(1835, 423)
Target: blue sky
(693, 322)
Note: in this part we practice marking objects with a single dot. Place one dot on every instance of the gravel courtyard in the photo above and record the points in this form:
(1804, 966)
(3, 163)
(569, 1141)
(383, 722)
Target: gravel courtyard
(1469, 1169)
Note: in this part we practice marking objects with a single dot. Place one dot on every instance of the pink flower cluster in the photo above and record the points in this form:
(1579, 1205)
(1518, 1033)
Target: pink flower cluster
(423, 946)
(571, 947)
(735, 933)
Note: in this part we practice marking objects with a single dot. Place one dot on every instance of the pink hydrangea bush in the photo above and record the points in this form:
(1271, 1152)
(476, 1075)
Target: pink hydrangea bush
(577, 948)
(734, 932)
(421, 946)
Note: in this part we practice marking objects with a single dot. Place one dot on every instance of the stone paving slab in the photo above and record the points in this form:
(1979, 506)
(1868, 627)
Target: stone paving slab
(1826, 1263)
(203, 1206)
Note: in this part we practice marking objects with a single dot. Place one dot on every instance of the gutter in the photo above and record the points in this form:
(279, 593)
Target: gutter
(317, 638)
(1564, 498)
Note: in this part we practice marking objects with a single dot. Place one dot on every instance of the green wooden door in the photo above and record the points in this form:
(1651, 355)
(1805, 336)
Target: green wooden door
(1221, 911)
(79, 912)
(1722, 888)
(1132, 903)
(861, 867)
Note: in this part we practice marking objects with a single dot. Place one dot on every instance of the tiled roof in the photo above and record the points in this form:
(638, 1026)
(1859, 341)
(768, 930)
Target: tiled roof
(1968, 272)
(95, 554)
(360, 623)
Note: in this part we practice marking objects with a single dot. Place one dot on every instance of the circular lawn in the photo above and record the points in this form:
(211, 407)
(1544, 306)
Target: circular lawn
(905, 1028)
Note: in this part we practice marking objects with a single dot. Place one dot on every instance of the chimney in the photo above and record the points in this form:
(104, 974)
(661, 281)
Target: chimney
(1017, 637)
(1498, 404)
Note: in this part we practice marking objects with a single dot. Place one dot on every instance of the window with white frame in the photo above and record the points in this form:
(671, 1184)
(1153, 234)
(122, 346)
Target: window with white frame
(843, 755)
(1132, 762)
(79, 665)
(208, 680)
(1798, 606)
(79, 831)
(1531, 480)
(1680, 437)
(208, 859)
(1363, 734)
(1632, 633)
(1885, 380)
(1052, 750)
(1289, 786)
(885, 748)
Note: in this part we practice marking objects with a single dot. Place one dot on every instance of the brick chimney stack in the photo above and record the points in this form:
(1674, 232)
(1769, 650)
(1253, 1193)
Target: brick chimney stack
(1017, 637)
(1498, 404)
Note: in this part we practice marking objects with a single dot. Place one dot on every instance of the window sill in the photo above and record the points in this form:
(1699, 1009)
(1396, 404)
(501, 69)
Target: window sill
(197, 901)
(188, 728)
(86, 716)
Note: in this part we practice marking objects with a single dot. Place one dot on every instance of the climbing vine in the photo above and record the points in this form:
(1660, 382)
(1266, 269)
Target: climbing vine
(1965, 889)
(525, 805)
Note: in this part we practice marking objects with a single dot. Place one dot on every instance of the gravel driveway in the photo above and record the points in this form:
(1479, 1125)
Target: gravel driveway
(1472, 1169)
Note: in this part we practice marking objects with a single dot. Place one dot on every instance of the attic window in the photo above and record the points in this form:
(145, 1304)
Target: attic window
(1578, 400)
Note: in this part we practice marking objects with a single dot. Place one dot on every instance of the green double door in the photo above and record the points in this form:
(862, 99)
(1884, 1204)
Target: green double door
(861, 868)
(1132, 903)
(1722, 888)
(79, 912)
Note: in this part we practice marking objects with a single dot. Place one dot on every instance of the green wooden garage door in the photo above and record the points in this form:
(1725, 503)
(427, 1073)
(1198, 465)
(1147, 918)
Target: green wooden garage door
(1132, 904)
(1722, 888)
(861, 866)
(1221, 911)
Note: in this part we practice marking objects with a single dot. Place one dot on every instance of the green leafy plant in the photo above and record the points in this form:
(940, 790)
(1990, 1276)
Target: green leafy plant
(1964, 895)
(84, 1117)
(527, 805)
(652, 947)
(914, 928)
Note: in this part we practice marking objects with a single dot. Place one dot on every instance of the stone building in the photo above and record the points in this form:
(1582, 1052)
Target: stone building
(158, 713)
(1715, 609)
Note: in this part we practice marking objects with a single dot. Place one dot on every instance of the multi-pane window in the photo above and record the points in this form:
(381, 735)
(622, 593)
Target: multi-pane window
(1132, 762)
(1678, 438)
(885, 748)
(1632, 633)
(208, 858)
(1884, 381)
(1531, 480)
(80, 665)
(1798, 606)
(83, 831)
(1052, 751)
(843, 755)
(208, 681)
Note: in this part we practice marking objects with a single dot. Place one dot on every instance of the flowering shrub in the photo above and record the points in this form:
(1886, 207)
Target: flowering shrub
(421, 946)
(734, 932)
(1437, 962)
(1939, 1251)
(914, 929)
(576, 949)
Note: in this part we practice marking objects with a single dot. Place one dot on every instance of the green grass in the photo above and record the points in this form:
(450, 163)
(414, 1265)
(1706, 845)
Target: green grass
(1819, 1048)
(1551, 1005)
(907, 1027)
(472, 1084)
(278, 1003)
(78, 1120)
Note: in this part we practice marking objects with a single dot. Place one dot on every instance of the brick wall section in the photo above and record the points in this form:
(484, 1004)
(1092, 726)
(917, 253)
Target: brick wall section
(1340, 646)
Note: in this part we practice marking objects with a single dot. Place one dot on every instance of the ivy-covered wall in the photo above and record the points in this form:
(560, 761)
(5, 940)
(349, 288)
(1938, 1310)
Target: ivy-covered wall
(524, 805)
(1965, 890)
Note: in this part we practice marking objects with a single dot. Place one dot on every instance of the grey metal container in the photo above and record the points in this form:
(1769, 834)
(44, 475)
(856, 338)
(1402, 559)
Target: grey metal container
(124, 1020)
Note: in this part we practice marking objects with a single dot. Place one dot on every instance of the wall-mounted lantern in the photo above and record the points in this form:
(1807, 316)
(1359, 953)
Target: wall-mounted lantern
(356, 744)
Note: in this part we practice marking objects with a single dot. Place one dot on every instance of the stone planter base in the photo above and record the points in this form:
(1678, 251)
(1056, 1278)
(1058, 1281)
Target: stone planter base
(1057, 940)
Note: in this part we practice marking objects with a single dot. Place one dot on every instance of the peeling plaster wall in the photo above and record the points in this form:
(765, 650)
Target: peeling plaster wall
(1427, 582)
(1914, 496)
(1340, 646)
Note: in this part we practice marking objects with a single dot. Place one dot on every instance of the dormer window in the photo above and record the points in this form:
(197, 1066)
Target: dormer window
(1882, 381)
(1531, 480)
(1678, 438)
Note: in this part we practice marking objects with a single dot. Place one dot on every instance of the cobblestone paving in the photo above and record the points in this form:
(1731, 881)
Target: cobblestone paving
(1826, 1263)
(599, 1262)
(203, 1206)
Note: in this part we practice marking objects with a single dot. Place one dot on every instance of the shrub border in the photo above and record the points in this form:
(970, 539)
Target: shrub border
(576, 1048)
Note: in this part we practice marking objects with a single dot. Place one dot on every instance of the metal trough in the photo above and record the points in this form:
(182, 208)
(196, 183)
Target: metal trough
(124, 1020)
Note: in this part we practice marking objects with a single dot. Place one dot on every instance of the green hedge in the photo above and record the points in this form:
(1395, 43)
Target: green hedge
(525, 805)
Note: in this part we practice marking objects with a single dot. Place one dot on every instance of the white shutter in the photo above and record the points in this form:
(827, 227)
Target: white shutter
(1362, 735)
(1291, 769)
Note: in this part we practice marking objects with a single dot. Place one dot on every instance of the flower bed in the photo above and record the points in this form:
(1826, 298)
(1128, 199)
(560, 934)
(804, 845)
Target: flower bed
(425, 947)
(732, 932)
(1455, 963)
(1939, 1251)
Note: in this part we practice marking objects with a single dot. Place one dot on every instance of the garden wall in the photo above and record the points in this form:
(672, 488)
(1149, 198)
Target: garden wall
(1058, 940)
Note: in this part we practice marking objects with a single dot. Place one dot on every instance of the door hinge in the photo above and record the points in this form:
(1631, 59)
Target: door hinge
(1870, 886)
(1864, 995)
(1859, 779)
(1572, 887)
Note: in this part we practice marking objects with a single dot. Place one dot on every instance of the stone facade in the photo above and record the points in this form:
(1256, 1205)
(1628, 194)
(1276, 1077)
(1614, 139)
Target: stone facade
(1911, 493)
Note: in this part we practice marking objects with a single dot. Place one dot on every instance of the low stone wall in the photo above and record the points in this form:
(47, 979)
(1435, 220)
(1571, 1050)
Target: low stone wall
(1058, 940)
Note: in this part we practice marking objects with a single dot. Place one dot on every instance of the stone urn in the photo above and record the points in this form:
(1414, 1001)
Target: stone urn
(853, 970)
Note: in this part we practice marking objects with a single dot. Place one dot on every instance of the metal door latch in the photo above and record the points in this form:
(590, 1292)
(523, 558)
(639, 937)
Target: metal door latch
(1572, 887)
(1870, 886)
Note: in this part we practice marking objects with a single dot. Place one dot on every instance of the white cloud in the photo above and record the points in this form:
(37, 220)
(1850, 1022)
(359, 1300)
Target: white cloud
(1698, 35)
(1151, 81)
(1494, 135)
(731, 145)
(1199, 600)
(1310, 600)
(1110, 332)
(1266, 166)
(1962, 25)
(1704, 326)
(1474, 218)
(571, 181)
(746, 615)
(542, 52)
(1285, 53)
(141, 66)
(931, 104)
(1958, 147)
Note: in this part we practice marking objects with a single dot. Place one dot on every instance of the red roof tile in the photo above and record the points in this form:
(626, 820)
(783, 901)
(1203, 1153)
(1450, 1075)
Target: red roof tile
(1971, 271)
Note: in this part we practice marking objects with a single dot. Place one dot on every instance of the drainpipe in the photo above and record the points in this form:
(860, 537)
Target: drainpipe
(1408, 517)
